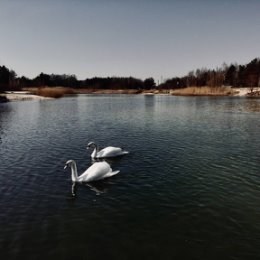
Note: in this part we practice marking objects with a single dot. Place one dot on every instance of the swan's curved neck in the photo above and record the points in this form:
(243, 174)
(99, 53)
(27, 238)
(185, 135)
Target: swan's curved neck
(74, 172)
(94, 154)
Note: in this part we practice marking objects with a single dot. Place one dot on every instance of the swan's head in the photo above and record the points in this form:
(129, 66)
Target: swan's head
(91, 144)
(68, 163)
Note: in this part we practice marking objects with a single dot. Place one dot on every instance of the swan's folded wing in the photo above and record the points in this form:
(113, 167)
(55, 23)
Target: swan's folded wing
(110, 151)
(111, 174)
(96, 171)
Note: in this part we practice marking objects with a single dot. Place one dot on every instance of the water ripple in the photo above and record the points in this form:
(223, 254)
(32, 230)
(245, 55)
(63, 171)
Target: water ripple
(191, 179)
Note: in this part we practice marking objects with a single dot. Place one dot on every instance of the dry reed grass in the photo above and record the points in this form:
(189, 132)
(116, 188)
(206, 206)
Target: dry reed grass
(204, 91)
(52, 92)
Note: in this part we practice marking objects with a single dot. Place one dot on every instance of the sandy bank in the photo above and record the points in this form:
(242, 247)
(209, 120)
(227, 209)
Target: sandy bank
(16, 96)
(244, 91)
(241, 91)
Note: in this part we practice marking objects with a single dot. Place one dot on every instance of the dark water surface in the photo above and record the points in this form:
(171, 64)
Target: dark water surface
(189, 189)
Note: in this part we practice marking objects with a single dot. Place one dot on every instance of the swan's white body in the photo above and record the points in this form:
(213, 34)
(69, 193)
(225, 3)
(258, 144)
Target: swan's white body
(97, 171)
(107, 152)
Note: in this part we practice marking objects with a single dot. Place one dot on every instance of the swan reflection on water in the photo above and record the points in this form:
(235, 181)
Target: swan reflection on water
(98, 187)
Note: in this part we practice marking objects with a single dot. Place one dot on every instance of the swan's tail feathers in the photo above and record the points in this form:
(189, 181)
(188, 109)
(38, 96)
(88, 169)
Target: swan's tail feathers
(125, 152)
(112, 173)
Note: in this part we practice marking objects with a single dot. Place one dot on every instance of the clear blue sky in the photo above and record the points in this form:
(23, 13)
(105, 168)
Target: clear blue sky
(139, 38)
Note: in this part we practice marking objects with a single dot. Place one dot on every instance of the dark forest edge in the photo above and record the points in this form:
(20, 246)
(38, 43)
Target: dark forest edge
(233, 76)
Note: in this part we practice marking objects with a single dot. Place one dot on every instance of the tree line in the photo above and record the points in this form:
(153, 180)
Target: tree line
(10, 81)
(234, 75)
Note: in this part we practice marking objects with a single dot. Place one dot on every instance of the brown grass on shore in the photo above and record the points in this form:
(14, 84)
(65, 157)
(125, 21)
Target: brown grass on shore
(56, 92)
(204, 91)
(53, 92)
(83, 91)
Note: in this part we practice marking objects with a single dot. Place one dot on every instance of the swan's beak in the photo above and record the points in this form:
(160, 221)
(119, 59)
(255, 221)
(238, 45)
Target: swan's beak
(87, 147)
(65, 167)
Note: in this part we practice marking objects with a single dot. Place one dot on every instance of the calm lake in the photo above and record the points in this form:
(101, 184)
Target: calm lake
(189, 189)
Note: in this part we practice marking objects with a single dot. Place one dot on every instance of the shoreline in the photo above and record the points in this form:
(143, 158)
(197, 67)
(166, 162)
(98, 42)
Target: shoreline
(242, 92)
(22, 96)
(27, 96)
(237, 92)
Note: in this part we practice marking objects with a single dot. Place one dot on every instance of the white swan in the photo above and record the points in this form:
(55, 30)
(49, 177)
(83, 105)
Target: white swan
(107, 152)
(95, 172)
